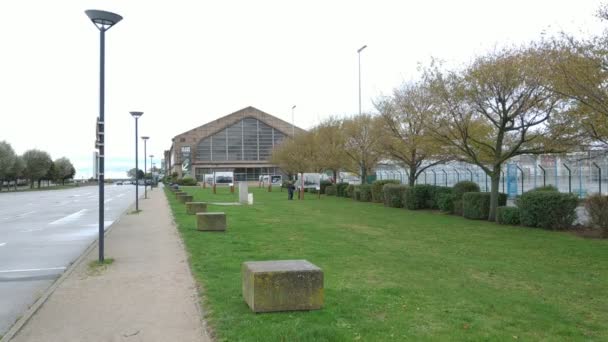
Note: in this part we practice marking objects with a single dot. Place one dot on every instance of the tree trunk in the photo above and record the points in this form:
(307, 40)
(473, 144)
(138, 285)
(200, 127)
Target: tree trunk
(39, 183)
(495, 177)
(412, 176)
(363, 175)
(302, 186)
(335, 176)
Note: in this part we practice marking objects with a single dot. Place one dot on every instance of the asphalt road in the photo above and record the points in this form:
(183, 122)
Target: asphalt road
(42, 233)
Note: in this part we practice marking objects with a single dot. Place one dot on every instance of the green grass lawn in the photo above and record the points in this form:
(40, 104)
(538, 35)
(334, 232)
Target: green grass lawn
(394, 274)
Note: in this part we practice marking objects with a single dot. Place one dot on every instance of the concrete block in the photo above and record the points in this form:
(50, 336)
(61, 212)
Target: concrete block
(185, 198)
(194, 208)
(211, 221)
(282, 285)
(177, 193)
(243, 192)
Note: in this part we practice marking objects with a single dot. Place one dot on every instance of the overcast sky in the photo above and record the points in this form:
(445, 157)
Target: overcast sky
(184, 63)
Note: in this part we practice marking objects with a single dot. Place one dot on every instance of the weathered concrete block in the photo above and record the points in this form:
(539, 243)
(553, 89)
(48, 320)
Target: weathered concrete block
(194, 208)
(282, 285)
(211, 221)
(185, 198)
(243, 192)
(177, 193)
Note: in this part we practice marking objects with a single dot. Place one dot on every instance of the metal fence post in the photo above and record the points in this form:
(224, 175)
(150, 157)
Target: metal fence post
(434, 177)
(446, 177)
(599, 169)
(522, 178)
(544, 175)
(569, 178)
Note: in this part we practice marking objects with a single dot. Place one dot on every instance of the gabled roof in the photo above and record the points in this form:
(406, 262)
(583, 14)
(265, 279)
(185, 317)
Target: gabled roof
(217, 125)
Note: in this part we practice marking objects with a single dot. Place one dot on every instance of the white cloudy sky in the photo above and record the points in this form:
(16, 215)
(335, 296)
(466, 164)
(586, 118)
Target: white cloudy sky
(186, 62)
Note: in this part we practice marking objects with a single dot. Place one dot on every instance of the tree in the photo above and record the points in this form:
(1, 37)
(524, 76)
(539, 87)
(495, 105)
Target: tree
(16, 172)
(65, 169)
(51, 174)
(407, 137)
(37, 163)
(7, 159)
(495, 109)
(362, 144)
(330, 149)
(131, 173)
(298, 155)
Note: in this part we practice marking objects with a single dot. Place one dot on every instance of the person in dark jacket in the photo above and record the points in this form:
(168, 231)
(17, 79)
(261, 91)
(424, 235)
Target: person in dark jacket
(290, 189)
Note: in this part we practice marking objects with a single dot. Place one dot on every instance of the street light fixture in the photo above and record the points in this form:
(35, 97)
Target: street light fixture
(293, 122)
(359, 53)
(103, 21)
(136, 115)
(145, 139)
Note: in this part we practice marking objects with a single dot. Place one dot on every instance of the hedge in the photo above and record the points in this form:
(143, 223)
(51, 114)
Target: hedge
(460, 189)
(597, 208)
(547, 209)
(446, 202)
(394, 195)
(545, 188)
(507, 215)
(187, 181)
(341, 189)
(350, 191)
(476, 205)
(378, 189)
(365, 193)
(424, 196)
(324, 184)
(331, 190)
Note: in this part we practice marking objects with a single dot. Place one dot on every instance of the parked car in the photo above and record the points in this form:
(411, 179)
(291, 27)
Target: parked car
(119, 183)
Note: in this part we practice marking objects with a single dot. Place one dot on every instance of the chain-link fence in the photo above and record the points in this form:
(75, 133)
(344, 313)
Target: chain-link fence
(581, 174)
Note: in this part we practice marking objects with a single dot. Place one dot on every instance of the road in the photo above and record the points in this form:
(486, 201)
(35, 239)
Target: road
(42, 233)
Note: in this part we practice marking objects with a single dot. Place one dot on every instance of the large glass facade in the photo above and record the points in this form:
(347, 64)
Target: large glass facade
(246, 140)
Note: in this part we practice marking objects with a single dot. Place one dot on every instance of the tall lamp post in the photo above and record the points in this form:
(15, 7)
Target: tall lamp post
(145, 139)
(359, 53)
(293, 122)
(136, 115)
(151, 167)
(103, 21)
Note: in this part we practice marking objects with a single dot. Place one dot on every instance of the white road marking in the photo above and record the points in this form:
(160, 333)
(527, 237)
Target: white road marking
(69, 218)
(34, 269)
(3, 244)
(120, 195)
(108, 200)
(31, 230)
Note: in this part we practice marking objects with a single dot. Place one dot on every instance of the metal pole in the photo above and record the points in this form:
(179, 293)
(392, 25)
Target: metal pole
(136, 170)
(471, 172)
(359, 54)
(569, 178)
(599, 169)
(151, 167)
(434, 177)
(293, 122)
(145, 168)
(102, 84)
(544, 175)
(446, 177)
(522, 178)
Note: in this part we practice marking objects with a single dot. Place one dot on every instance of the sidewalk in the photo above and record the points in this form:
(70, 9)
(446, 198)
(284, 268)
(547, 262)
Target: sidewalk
(147, 294)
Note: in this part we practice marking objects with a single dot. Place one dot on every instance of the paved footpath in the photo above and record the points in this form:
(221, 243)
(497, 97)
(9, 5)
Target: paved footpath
(147, 294)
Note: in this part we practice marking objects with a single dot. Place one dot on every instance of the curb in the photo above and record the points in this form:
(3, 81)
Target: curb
(18, 325)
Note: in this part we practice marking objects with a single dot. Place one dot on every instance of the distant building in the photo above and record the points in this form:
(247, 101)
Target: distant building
(241, 142)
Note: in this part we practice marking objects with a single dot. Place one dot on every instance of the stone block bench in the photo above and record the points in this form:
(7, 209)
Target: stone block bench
(183, 198)
(177, 193)
(211, 222)
(194, 208)
(282, 285)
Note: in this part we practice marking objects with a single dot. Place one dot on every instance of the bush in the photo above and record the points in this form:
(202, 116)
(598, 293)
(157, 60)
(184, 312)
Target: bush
(597, 208)
(187, 181)
(546, 188)
(324, 184)
(476, 205)
(341, 189)
(507, 215)
(365, 191)
(424, 196)
(460, 189)
(331, 190)
(446, 202)
(394, 195)
(350, 191)
(356, 193)
(378, 189)
(547, 209)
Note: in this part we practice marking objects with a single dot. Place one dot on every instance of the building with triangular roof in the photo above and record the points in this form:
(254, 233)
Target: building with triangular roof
(241, 142)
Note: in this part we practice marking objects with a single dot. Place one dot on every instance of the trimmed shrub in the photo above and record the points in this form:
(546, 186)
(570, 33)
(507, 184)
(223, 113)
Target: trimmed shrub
(187, 181)
(341, 189)
(446, 202)
(546, 188)
(424, 196)
(350, 191)
(324, 184)
(365, 193)
(331, 190)
(378, 189)
(460, 189)
(507, 215)
(356, 193)
(597, 208)
(547, 209)
(394, 195)
(476, 205)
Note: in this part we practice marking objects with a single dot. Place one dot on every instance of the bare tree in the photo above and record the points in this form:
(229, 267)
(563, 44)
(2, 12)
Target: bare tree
(362, 143)
(330, 146)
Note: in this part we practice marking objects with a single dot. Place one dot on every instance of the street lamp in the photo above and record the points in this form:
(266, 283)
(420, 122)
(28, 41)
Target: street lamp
(103, 21)
(359, 53)
(293, 122)
(136, 115)
(145, 139)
